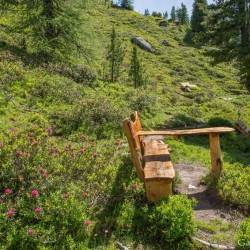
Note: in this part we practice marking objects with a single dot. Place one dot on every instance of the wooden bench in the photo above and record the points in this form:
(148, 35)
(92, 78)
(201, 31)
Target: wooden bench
(152, 159)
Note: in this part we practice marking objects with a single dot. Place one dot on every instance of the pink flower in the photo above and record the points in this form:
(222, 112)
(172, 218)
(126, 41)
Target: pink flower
(84, 194)
(10, 212)
(52, 149)
(95, 154)
(82, 150)
(20, 177)
(27, 154)
(57, 155)
(38, 210)
(66, 196)
(67, 149)
(1, 144)
(31, 138)
(8, 191)
(49, 130)
(83, 137)
(18, 152)
(44, 175)
(35, 143)
(73, 154)
(30, 231)
(87, 223)
(41, 170)
(135, 186)
(34, 193)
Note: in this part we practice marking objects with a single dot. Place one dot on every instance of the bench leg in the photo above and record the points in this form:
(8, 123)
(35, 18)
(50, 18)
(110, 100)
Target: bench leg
(158, 190)
(216, 160)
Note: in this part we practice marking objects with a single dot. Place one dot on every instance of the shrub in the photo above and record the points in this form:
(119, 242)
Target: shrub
(100, 117)
(218, 121)
(172, 219)
(43, 186)
(242, 239)
(79, 73)
(169, 223)
(233, 186)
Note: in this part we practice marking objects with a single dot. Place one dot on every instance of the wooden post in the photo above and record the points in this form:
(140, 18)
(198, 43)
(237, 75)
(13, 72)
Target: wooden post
(216, 160)
(134, 152)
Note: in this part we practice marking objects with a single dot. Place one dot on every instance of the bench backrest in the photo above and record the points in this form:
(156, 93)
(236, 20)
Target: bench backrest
(131, 127)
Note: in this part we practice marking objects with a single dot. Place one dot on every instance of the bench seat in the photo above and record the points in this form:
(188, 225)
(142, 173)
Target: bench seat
(158, 170)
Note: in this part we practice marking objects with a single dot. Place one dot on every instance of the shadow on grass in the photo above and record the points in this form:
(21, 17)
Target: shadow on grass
(108, 215)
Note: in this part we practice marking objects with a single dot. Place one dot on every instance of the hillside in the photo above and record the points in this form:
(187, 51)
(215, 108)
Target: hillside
(71, 103)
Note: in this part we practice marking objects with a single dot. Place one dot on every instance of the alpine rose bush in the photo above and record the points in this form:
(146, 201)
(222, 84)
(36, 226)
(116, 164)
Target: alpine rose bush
(44, 182)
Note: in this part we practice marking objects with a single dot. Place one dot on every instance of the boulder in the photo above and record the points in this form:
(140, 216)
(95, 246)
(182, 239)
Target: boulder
(163, 24)
(165, 43)
(143, 44)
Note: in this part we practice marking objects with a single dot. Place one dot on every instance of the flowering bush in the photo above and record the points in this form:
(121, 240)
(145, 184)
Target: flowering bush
(48, 186)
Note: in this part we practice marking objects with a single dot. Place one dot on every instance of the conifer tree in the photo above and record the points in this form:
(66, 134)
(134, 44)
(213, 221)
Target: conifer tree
(136, 71)
(51, 27)
(126, 4)
(228, 28)
(156, 14)
(198, 14)
(165, 15)
(146, 12)
(173, 14)
(182, 14)
(115, 56)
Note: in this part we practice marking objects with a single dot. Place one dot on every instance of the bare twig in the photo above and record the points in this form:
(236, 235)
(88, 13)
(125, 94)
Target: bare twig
(121, 246)
(216, 246)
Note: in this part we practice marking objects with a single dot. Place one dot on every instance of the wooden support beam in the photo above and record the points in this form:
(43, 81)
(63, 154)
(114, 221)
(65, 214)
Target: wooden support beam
(134, 152)
(216, 160)
(187, 131)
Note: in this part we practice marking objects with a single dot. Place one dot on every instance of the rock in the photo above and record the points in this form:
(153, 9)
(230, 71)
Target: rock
(165, 43)
(163, 24)
(192, 187)
(187, 85)
(143, 44)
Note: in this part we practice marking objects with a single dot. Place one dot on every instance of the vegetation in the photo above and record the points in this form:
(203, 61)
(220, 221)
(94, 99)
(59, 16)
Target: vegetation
(67, 180)
(182, 14)
(227, 28)
(115, 56)
(198, 15)
(136, 70)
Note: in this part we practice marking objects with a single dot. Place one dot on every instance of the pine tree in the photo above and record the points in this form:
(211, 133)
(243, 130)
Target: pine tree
(156, 14)
(165, 15)
(115, 56)
(126, 4)
(173, 14)
(182, 14)
(136, 71)
(146, 12)
(50, 27)
(198, 14)
(228, 28)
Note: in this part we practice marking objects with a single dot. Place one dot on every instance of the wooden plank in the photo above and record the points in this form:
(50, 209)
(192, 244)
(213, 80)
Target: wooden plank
(157, 170)
(158, 190)
(216, 160)
(187, 131)
(134, 153)
(158, 164)
(135, 126)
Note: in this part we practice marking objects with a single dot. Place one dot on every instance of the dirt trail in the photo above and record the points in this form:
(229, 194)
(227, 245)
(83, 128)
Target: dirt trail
(209, 209)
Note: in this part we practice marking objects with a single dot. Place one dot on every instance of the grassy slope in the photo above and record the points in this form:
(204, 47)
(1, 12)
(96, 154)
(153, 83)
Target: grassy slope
(51, 94)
